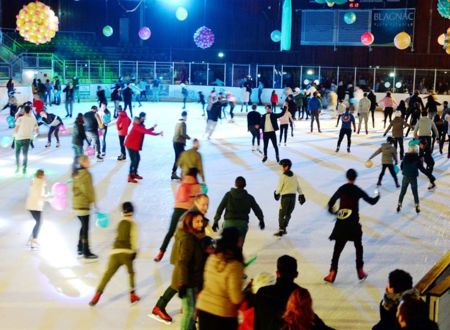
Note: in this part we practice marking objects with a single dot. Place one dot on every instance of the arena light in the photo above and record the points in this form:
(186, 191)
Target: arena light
(221, 55)
(310, 72)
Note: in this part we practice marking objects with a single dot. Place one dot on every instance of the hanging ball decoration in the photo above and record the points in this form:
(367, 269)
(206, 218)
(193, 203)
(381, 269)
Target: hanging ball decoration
(350, 17)
(367, 38)
(6, 141)
(275, 36)
(108, 31)
(204, 37)
(387, 84)
(331, 3)
(181, 13)
(446, 41)
(443, 7)
(102, 220)
(402, 40)
(145, 33)
(441, 39)
(37, 23)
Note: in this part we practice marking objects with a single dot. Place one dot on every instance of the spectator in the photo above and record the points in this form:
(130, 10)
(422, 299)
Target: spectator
(412, 314)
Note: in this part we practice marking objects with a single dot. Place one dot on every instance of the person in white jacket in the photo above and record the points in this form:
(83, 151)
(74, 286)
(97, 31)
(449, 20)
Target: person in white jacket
(363, 112)
(35, 204)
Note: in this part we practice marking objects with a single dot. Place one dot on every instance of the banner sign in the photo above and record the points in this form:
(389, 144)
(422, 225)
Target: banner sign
(387, 23)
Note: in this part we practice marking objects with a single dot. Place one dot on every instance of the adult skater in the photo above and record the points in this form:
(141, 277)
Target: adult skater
(245, 98)
(253, 126)
(287, 188)
(201, 100)
(347, 226)
(397, 125)
(179, 142)
(363, 112)
(191, 158)
(83, 198)
(237, 204)
(23, 135)
(426, 156)
(92, 123)
(105, 115)
(425, 128)
(415, 115)
(292, 108)
(415, 101)
(116, 97)
(314, 107)
(373, 105)
(285, 121)
(389, 103)
(347, 121)
(213, 115)
(156, 87)
(431, 106)
(123, 253)
(341, 108)
(13, 109)
(260, 91)
(185, 195)
(101, 97)
(388, 159)
(128, 99)
(122, 125)
(184, 93)
(231, 100)
(273, 100)
(269, 126)
(134, 143)
(54, 123)
(68, 102)
(78, 136)
(298, 100)
(35, 204)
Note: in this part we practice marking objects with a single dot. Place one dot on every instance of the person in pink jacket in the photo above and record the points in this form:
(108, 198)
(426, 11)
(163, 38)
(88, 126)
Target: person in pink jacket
(122, 124)
(285, 120)
(389, 103)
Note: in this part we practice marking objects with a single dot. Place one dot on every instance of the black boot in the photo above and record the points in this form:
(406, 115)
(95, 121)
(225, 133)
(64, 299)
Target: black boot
(87, 252)
(80, 248)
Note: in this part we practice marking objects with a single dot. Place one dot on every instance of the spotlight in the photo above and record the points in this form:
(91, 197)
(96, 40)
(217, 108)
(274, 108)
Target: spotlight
(221, 55)
(310, 72)
(392, 74)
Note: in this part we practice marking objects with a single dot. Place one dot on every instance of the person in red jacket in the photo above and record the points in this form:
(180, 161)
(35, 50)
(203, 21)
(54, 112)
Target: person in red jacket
(274, 100)
(38, 105)
(134, 142)
(122, 123)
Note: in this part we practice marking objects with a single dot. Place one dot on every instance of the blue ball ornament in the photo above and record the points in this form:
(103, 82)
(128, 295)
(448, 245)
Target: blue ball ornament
(275, 36)
(102, 220)
(350, 17)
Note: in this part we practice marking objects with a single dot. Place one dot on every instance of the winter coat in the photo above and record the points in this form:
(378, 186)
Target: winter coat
(83, 190)
(189, 159)
(36, 195)
(298, 99)
(388, 154)
(432, 106)
(314, 104)
(189, 260)
(286, 119)
(115, 95)
(127, 94)
(51, 120)
(237, 204)
(273, 119)
(180, 135)
(222, 290)
(123, 123)
(274, 98)
(101, 96)
(216, 111)
(91, 119)
(410, 165)
(186, 192)
(288, 184)
(127, 237)
(78, 134)
(424, 127)
(397, 125)
(253, 119)
(135, 138)
(373, 101)
(364, 105)
(388, 102)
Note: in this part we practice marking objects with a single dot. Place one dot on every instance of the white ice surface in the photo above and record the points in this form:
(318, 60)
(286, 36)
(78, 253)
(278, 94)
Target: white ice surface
(50, 288)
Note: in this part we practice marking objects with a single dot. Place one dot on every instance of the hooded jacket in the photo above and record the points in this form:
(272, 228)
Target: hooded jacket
(135, 138)
(237, 204)
(410, 165)
(189, 159)
(180, 135)
(123, 123)
(83, 190)
(424, 127)
(288, 184)
(397, 125)
(186, 192)
(388, 154)
(36, 195)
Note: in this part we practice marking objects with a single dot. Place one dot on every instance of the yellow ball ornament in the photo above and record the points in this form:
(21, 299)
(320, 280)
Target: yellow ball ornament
(402, 40)
(369, 164)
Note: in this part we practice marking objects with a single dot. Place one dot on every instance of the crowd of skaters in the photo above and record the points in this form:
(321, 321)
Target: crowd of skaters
(193, 268)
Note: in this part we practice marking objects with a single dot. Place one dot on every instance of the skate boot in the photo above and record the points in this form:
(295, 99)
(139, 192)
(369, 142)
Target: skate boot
(48, 144)
(361, 274)
(134, 298)
(160, 314)
(159, 256)
(137, 176)
(399, 207)
(131, 179)
(417, 208)
(174, 176)
(95, 299)
(348, 150)
(58, 145)
(337, 149)
(331, 276)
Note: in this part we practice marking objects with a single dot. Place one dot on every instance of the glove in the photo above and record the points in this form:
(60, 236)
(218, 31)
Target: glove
(182, 292)
(215, 226)
(301, 199)
(262, 225)
(276, 196)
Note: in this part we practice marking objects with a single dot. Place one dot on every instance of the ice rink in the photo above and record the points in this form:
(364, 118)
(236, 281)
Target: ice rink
(51, 288)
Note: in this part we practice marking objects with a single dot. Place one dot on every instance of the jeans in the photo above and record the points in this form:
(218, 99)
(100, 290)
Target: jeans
(388, 111)
(372, 111)
(405, 182)
(176, 215)
(274, 107)
(363, 117)
(22, 145)
(37, 217)
(342, 132)
(78, 150)
(122, 145)
(188, 305)
(272, 137)
(339, 247)
(83, 241)
(315, 115)
(135, 158)
(255, 135)
(55, 130)
(69, 107)
(116, 108)
(114, 263)
(155, 94)
(240, 225)
(127, 104)
(232, 105)
(207, 321)
(166, 297)
(57, 99)
(284, 130)
(399, 141)
(391, 170)
(210, 127)
(287, 205)
(178, 148)
(76, 94)
(105, 131)
(94, 136)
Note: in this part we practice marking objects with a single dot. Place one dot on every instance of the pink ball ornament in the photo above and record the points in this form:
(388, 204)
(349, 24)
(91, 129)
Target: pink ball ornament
(60, 189)
(367, 38)
(204, 37)
(90, 151)
(145, 33)
(58, 203)
(63, 129)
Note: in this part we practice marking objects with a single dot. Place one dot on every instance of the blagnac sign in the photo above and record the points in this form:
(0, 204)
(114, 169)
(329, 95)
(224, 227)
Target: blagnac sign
(386, 23)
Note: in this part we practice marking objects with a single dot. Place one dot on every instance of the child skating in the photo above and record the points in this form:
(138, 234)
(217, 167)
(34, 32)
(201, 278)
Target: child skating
(288, 187)
(35, 204)
(123, 253)
(388, 159)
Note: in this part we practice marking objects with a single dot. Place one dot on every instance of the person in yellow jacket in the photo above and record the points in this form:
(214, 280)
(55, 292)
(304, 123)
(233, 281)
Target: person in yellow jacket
(83, 198)
(191, 159)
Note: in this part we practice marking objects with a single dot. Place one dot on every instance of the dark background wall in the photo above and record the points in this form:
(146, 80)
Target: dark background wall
(242, 30)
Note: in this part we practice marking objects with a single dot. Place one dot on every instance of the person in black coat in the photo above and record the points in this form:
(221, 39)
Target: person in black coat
(269, 126)
(101, 96)
(347, 226)
(399, 281)
(54, 123)
(213, 116)
(415, 101)
(373, 105)
(253, 126)
(127, 99)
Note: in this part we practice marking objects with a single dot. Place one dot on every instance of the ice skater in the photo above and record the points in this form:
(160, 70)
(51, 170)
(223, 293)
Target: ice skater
(314, 108)
(397, 125)
(122, 124)
(347, 121)
(410, 170)
(269, 127)
(363, 112)
(201, 100)
(288, 187)
(213, 116)
(54, 123)
(35, 205)
(123, 253)
(179, 142)
(285, 121)
(347, 226)
(253, 126)
(388, 159)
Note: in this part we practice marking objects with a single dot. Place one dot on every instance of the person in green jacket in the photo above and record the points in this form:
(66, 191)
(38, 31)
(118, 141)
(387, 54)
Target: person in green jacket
(83, 197)
(192, 159)
(189, 259)
(388, 159)
(237, 204)
(123, 253)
